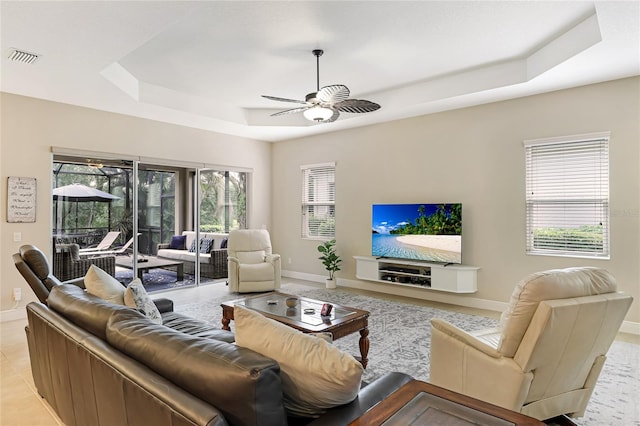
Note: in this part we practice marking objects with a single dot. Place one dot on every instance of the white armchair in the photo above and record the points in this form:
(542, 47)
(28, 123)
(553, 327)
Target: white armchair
(545, 357)
(252, 265)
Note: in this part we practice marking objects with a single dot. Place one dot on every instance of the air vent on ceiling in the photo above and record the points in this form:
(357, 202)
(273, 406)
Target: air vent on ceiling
(22, 56)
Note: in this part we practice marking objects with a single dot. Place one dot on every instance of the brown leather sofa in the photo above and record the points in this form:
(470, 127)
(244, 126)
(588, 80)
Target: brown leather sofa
(100, 363)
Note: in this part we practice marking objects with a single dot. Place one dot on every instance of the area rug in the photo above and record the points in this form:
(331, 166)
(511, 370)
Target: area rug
(400, 338)
(160, 279)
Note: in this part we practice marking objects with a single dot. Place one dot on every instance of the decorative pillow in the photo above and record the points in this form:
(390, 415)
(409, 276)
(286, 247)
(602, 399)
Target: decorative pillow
(101, 284)
(136, 297)
(315, 374)
(205, 245)
(178, 242)
(192, 249)
(251, 256)
(223, 244)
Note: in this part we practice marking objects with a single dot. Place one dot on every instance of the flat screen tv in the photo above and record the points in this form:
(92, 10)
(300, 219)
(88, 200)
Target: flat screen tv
(426, 232)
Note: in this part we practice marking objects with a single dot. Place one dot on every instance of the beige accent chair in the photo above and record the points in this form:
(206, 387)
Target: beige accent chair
(252, 265)
(547, 354)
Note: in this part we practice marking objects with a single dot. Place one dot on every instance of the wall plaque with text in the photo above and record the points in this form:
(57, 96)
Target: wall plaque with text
(21, 199)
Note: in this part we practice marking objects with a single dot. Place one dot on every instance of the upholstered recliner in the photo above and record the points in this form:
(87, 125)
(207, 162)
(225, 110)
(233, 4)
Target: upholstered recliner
(33, 266)
(252, 265)
(545, 357)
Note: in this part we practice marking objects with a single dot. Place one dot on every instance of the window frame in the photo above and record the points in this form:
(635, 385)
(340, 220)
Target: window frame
(318, 198)
(572, 186)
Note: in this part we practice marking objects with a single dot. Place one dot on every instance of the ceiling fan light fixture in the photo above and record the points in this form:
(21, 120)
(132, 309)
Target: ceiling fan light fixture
(318, 113)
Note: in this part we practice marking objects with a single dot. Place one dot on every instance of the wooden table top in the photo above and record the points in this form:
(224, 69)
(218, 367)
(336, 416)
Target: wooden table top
(272, 305)
(419, 403)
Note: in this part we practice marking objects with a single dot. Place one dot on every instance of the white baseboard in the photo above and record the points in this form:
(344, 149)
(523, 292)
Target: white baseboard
(13, 314)
(432, 295)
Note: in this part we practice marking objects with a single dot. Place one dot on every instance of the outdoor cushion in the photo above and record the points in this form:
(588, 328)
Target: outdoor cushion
(178, 242)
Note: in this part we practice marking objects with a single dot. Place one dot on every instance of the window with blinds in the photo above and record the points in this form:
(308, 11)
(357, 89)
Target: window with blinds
(567, 196)
(318, 201)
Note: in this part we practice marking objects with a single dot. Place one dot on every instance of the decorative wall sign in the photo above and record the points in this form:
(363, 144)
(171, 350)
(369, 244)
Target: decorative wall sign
(21, 199)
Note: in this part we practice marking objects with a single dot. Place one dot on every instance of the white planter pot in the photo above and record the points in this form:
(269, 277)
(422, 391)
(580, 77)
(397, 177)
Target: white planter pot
(330, 283)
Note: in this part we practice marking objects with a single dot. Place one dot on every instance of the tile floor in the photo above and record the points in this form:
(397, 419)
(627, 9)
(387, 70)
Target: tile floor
(20, 405)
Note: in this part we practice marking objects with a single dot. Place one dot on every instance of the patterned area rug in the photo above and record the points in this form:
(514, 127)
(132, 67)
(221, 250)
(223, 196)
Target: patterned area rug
(160, 279)
(400, 337)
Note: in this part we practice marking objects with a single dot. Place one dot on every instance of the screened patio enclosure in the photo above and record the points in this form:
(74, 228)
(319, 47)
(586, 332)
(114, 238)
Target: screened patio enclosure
(169, 200)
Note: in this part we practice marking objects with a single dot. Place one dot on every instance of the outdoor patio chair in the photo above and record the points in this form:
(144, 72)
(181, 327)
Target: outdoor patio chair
(116, 252)
(68, 265)
(106, 242)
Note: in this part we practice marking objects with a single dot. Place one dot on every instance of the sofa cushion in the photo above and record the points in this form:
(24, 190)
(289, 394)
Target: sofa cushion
(136, 297)
(243, 384)
(315, 374)
(103, 285)
(183, 255)
(178, 242)
(547, 285)
(257, 256)
(223, 243)
(83, 309)
(256, 272)
(195, 327)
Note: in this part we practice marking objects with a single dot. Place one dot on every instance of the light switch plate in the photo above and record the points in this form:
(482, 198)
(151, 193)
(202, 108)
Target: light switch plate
(17, 237)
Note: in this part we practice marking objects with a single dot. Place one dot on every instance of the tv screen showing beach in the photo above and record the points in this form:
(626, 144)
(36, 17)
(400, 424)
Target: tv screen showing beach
(428, 232)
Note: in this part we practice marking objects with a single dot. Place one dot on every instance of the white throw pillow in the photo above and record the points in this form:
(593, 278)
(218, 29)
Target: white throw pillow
(136, 297)
(101, 284)
(315, 374)
(251, 256)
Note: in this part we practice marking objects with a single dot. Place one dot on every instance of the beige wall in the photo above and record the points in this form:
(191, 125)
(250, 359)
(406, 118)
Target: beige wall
(30, 127)
(474, 156)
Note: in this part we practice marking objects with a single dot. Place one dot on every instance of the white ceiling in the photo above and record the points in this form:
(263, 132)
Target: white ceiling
(205, 64)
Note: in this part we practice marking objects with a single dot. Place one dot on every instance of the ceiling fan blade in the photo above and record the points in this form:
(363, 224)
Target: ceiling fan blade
(333, 94)
(356, 106)
(291, 111)
(273, 98)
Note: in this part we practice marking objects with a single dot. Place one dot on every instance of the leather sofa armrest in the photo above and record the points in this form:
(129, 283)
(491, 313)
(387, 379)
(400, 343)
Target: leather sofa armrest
(164, 305)
(368, 396)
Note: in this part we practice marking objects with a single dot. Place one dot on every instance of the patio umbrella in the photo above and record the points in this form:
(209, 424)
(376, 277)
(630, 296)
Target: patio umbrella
(79, 193)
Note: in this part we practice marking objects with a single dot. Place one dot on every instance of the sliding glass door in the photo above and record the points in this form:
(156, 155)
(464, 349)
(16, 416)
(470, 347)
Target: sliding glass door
(140, 206)
(222, 206)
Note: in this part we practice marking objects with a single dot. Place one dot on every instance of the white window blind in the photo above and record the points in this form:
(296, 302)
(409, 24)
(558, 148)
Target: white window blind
(318, 201)
(567, 196)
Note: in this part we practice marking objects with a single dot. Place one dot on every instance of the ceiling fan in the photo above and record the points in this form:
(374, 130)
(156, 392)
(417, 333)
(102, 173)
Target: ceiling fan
(326, 104)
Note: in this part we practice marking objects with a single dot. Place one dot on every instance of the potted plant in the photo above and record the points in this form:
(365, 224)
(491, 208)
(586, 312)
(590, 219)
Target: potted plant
(330, 260)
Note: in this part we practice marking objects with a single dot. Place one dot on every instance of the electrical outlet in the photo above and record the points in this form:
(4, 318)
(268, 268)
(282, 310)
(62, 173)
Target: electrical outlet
(17, 237)
(17, 294)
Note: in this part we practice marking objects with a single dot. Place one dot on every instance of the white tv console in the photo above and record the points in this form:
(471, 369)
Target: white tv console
(432, 276)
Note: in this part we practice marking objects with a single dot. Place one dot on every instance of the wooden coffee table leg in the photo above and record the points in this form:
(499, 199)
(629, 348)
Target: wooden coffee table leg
(227, 316)
(364, 346)
(225, 324)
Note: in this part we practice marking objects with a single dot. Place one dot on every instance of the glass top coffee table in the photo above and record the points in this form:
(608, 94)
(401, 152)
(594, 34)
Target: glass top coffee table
(305, 316)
